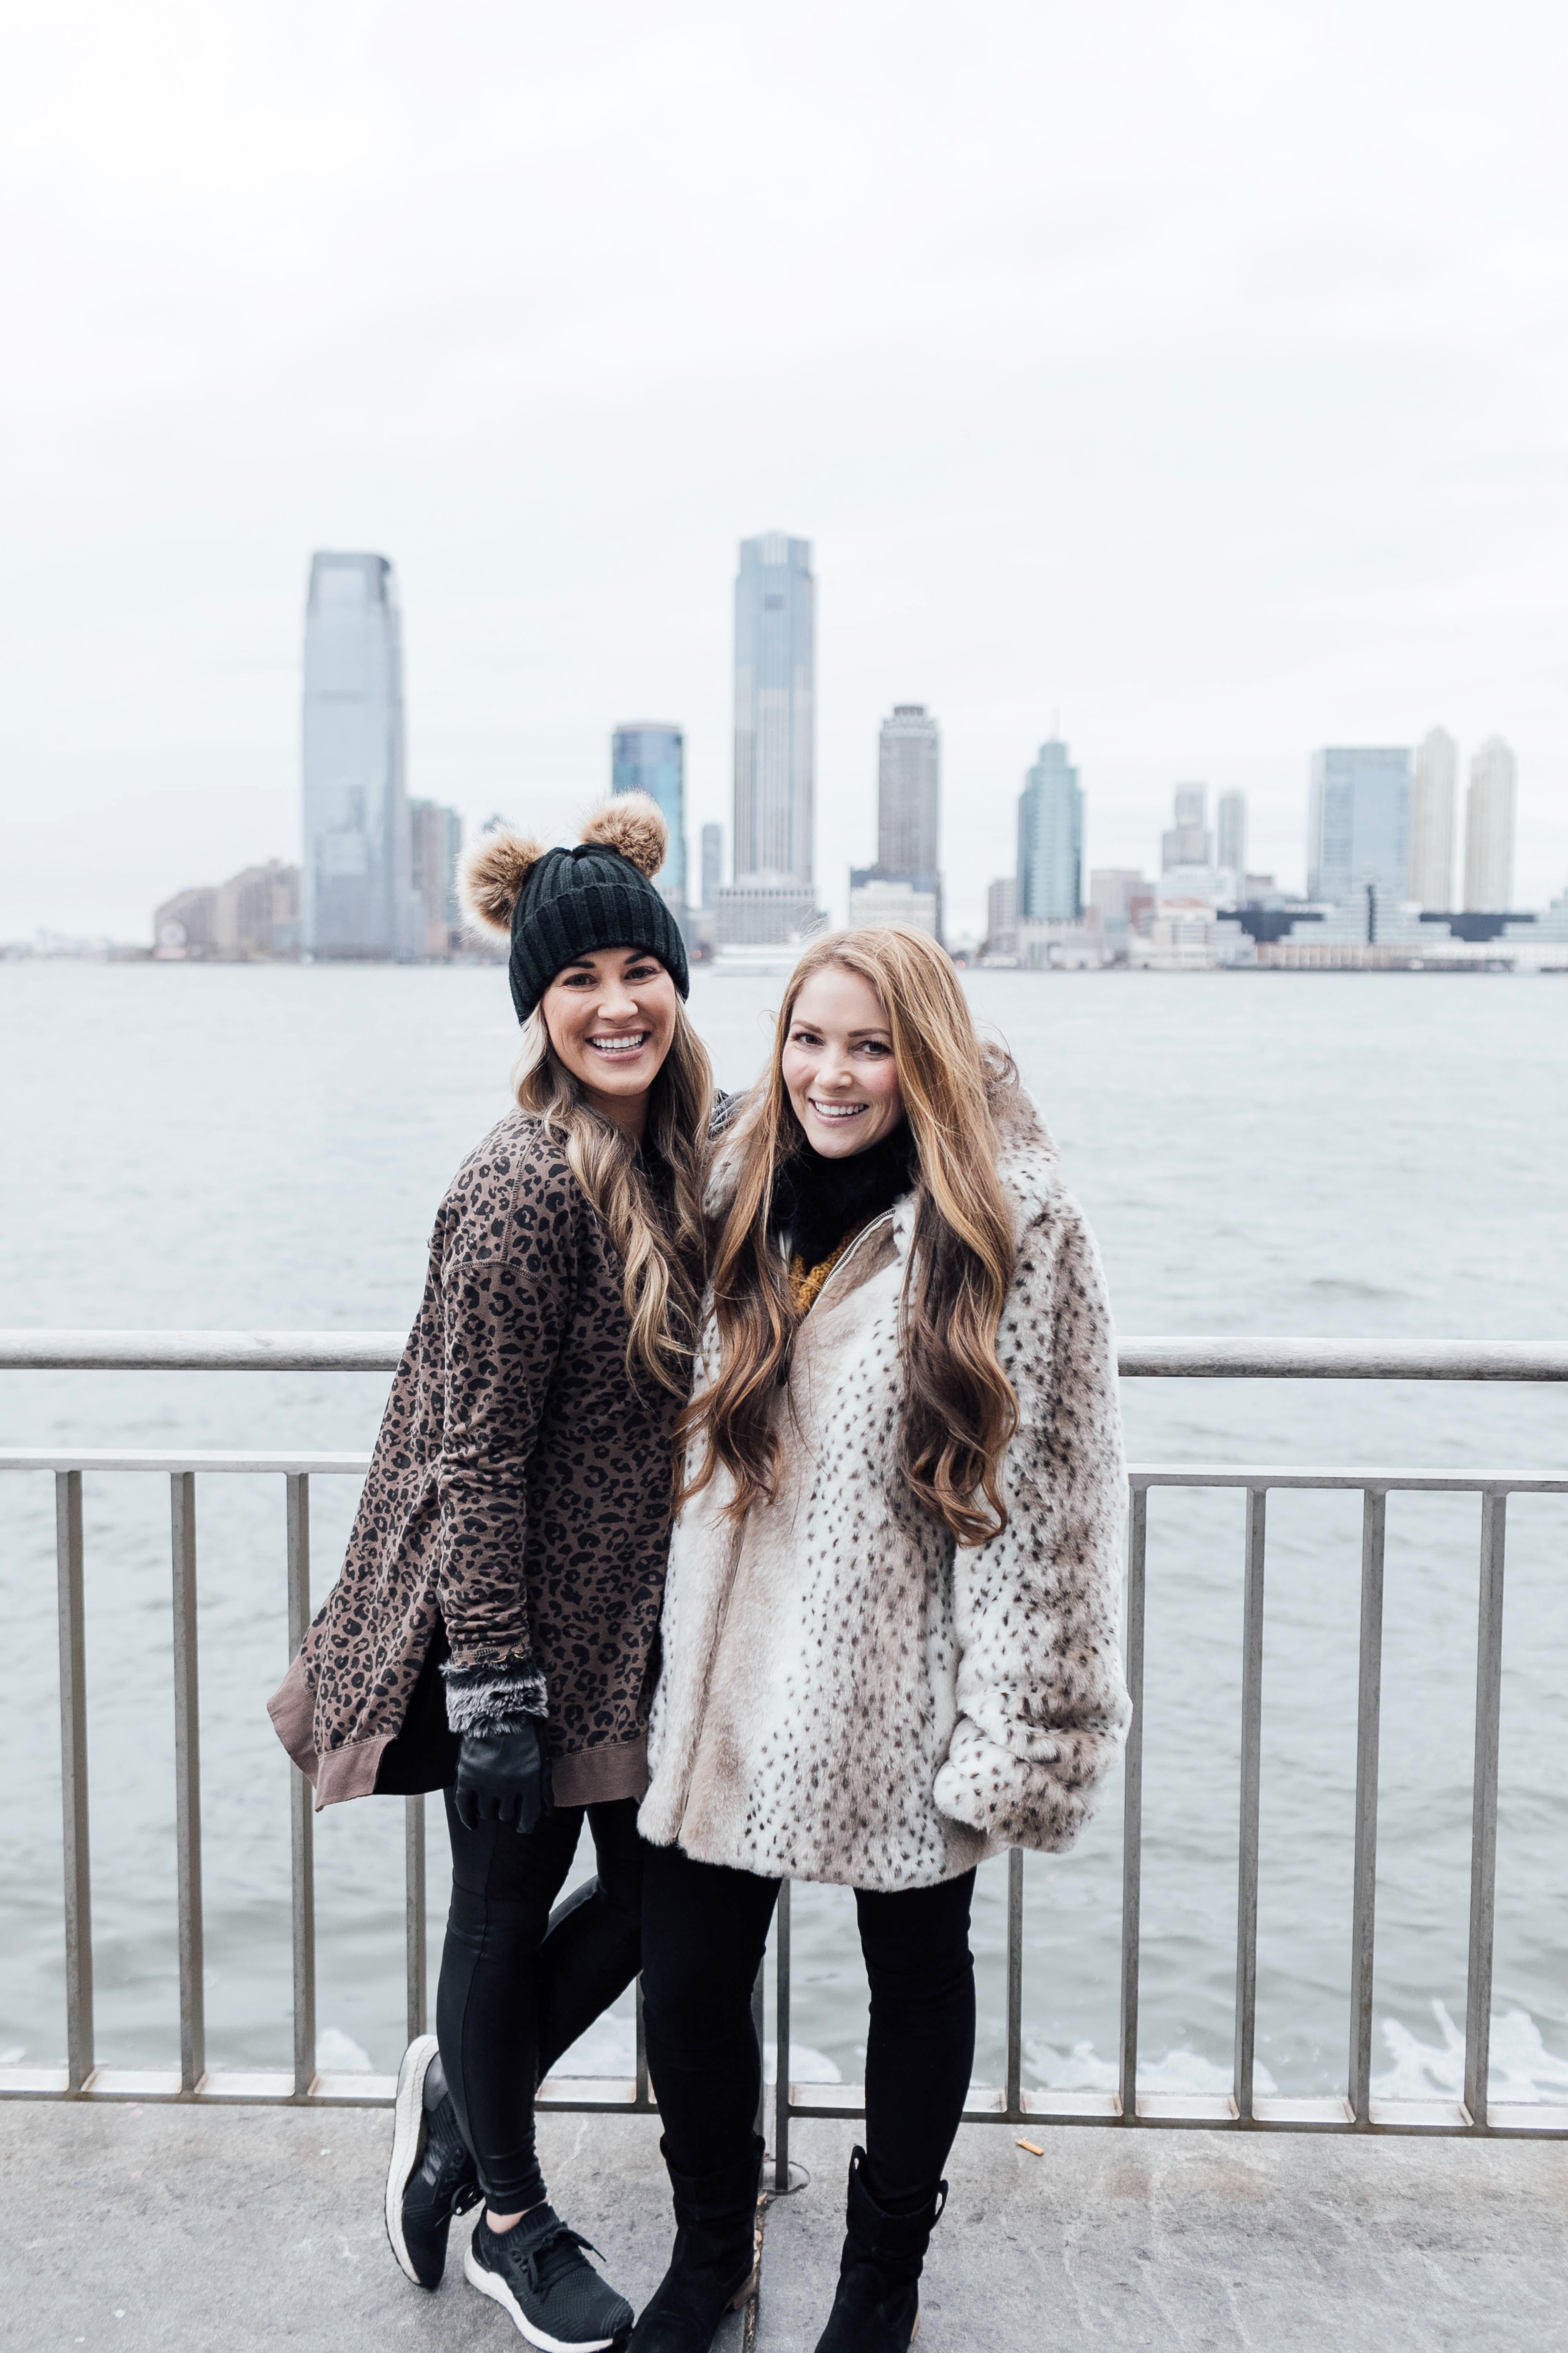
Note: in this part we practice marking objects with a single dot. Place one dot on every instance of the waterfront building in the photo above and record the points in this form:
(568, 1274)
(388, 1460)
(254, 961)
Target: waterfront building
(184, 925)
(257, 912)
(713, 864)
(436, 840)
(775, 709)
(1050, 840)
(1358, 822)
(878, 898)
(1434, 790)
(1112, 891)
(1188, 842)
(759, 910)
(650, 757)
(1230, 846)
(356, 900)
(1488, 826)
(1002, 915)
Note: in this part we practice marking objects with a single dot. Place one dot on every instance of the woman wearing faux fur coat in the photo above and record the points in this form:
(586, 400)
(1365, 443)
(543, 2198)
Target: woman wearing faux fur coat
(889, 1628)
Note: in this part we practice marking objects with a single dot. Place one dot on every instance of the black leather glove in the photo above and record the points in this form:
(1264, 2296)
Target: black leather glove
(502, 1777)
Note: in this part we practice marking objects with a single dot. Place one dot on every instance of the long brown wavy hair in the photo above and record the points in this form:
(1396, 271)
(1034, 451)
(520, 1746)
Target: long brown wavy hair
(661, 1245)
(959, 1408)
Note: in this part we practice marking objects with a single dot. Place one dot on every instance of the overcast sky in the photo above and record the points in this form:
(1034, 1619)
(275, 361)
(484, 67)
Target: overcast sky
(1197, 373)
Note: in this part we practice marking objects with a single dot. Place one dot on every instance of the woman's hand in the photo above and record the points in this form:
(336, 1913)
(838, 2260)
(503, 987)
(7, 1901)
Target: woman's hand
(502, 1777)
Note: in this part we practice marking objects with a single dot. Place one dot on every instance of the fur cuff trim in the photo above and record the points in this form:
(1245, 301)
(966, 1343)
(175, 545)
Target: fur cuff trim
(491, 1698)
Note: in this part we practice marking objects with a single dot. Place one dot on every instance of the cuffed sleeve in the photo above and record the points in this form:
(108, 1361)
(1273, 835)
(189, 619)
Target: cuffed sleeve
(1042, 1703)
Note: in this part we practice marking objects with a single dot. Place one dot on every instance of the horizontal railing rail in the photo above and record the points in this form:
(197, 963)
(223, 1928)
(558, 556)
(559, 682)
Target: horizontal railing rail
(1011, 2103)
(1225, 1357)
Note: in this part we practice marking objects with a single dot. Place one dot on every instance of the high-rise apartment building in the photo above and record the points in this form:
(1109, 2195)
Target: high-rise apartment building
(1002, 915)
(651, 758)
(909, 788)
(775, 709)
(1050, 840)
(1358, 823)
(1188, 842)
(1434, 790)
(1488, 826)
(356, 900)
(713, 864)
(436, 841)
(1230, 849)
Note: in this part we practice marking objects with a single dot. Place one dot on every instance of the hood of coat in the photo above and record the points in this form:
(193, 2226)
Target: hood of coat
(1027, 1163)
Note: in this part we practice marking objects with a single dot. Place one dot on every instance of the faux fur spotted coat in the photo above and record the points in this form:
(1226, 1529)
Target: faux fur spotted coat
(845, 1694)
(516, 1509)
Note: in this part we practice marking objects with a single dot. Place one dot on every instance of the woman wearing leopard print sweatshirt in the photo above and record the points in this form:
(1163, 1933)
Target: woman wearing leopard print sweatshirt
(493, 1630)
(889, 1633)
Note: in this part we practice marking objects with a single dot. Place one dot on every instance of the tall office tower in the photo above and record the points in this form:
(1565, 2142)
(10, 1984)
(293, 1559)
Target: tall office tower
(355, 896)
(1231, 848)
(1358, 823)
(909, 777)
(436, 840)
(1050, 840)
(1488, 826)
(775, 709)
(1189, 841)
(713, 864)
(651, 758)
(1434, 789)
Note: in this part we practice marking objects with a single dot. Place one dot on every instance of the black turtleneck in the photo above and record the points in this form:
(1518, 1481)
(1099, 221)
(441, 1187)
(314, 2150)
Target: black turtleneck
(820, 1202)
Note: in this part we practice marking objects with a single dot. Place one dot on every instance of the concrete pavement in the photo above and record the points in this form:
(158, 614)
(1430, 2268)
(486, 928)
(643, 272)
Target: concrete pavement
(166, 2229)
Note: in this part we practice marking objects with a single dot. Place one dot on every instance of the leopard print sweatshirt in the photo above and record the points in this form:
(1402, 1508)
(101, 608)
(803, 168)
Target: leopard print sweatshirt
(516, 1509)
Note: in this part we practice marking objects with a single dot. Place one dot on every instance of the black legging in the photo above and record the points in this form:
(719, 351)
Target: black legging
(519, 1983)
(704, 1930)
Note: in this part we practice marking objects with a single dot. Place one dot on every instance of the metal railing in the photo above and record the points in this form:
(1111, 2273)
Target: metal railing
(1011, 2103)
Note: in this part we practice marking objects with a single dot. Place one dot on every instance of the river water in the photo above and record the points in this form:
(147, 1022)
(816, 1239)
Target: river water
(1364, 1155)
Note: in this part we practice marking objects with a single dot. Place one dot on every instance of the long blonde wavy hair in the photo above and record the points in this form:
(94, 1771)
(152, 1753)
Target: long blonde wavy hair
(662, 1249)
(959, 1410)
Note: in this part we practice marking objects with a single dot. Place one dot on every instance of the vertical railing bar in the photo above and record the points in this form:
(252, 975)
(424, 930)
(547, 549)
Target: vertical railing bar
(414, 1913)
(187, 1781)
(1483, 1826)
(1369, 1703)
(73, 1780)
(1132, 1801)
(1015, 1983)
(781, 2031)
(301, 1796)
(641, 2031)
(759, 2024)
(1251, 1777)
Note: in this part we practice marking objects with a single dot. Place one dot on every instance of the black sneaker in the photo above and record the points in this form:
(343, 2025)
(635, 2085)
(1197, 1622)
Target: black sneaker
(535, 2271)
(432, 2175)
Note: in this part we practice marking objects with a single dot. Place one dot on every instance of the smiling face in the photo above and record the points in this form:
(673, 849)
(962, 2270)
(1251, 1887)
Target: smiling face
(838, 1065)
(610, 1017)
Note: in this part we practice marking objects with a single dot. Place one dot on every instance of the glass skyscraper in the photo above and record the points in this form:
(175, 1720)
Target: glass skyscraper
(1358, 824)
(355, 894)
(775, 709)
(1050, 841)
(652, 759)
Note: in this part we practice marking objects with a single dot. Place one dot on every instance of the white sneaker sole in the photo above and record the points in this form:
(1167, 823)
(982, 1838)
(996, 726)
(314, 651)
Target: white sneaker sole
(490, 2283)
(407, 2114)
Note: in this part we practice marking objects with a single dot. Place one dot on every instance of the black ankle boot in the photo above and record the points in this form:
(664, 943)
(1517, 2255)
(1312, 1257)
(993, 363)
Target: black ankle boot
(714, 2261)
(877, 2308)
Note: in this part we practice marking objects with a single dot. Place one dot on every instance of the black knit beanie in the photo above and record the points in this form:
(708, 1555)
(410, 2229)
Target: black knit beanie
(556, 905)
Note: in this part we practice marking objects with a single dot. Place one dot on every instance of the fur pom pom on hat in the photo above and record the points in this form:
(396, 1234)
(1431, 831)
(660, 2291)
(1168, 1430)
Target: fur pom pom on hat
(556, 905)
